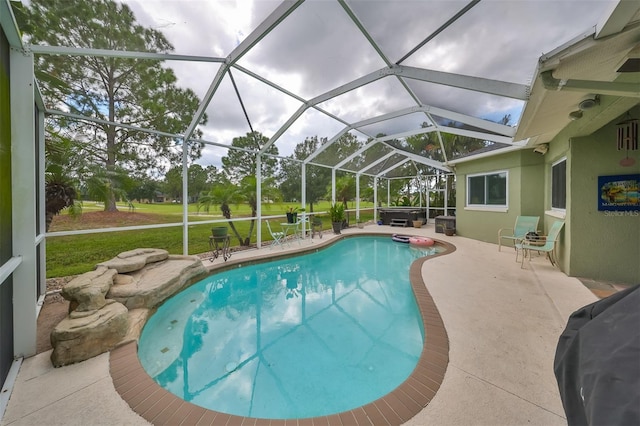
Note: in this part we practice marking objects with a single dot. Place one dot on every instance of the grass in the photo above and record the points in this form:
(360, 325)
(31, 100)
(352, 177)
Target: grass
(77, 254)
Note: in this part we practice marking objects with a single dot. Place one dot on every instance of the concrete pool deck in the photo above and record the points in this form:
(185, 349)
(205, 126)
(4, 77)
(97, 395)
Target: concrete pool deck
(502, 322)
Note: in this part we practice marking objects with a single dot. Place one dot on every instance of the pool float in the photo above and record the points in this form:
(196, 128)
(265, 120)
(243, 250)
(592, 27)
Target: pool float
(421, 241)
(401, 238)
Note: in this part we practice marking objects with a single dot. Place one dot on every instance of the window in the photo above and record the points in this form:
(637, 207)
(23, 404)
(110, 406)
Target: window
(487, 189)
(559, 185)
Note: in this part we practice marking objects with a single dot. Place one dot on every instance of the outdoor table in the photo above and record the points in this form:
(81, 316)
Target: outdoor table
(289, 228)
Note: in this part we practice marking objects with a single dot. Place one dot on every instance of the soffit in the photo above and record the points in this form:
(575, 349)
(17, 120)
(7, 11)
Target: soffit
(547, 110)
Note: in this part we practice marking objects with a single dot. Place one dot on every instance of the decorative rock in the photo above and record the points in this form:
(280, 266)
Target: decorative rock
(156, 282)
(88, 290)
(139, 280)
(134, 260)
(137, 320)
(78, 339)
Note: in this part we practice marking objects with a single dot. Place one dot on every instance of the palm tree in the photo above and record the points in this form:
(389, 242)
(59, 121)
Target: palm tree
(107, 186)
(345, 189)
(224, 195)
(228, 194)
(60, 189)
(249, 194)
(59, 194)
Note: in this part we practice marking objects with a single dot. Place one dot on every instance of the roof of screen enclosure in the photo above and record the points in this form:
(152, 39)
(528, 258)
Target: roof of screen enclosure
(366, 68)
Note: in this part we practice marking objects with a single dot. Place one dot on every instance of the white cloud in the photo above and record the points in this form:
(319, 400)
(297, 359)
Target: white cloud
(317, 48)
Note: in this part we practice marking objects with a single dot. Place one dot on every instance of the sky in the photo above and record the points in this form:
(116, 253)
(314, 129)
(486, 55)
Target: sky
(318, 48)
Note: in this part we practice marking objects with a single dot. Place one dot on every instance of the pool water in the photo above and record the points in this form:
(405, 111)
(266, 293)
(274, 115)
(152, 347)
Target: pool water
(301, 337)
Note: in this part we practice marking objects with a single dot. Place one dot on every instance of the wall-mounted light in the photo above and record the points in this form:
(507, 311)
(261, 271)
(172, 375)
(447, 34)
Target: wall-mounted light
(627, 138)
(585, 103)
(588, 102)
(575, 115)
(541, 149)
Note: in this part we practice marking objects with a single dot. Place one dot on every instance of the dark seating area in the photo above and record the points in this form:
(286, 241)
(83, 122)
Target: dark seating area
(445, 222)
(402, 216)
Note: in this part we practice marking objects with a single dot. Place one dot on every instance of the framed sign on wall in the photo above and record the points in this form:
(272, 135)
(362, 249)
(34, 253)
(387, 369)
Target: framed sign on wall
(619, 193)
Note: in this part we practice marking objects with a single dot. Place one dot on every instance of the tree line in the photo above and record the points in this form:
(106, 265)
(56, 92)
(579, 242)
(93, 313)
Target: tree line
(101, 160)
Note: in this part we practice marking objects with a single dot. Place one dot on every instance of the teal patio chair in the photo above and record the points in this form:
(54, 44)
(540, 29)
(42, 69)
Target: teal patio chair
(279, 237)
(523, 225)
(548, 247)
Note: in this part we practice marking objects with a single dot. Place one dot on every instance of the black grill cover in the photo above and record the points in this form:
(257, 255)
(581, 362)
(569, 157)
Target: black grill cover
(597, 362)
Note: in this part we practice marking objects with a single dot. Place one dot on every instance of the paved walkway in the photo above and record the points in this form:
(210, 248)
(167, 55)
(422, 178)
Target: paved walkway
(503, 323)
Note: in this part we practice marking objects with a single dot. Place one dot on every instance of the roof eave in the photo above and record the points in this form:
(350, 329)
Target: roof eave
(518, 146)
(546, 112)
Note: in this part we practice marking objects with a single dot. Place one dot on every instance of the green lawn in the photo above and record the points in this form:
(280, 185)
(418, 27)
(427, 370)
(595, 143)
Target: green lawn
(76, 254)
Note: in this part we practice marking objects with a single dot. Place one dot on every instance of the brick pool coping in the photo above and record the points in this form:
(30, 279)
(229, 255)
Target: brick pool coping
(160, 407)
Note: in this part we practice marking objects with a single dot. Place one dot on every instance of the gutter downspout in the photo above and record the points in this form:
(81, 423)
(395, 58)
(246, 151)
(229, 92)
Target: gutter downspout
(589, 86)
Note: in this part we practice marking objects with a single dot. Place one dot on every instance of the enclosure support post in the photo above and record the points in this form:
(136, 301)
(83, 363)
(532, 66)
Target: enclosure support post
(41, 240)
(23, 202)
(357, 197)
(419, 177)
(303, 197)
(375, 198)
(333, 186)
(185, 197)
(427, 192)
(258, 200)
(388, 192)
(446, 195)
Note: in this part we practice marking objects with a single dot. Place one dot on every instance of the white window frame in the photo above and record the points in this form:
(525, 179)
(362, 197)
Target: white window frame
(561, 211)
(488, 207)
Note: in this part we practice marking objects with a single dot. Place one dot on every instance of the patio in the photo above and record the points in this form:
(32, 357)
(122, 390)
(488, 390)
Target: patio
(503, 323)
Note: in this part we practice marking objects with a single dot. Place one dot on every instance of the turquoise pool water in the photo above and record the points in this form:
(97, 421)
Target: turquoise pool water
(301, 337)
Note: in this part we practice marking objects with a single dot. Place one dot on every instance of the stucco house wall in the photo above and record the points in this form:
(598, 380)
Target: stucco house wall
(593, 244)
(604, 245)
(559, 149)
(525, 193)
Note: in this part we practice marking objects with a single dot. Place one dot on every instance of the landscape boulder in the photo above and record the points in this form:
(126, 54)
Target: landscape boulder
(134, 260)
(156, 282)
(109, 306)
(87, 291)
(81, 338)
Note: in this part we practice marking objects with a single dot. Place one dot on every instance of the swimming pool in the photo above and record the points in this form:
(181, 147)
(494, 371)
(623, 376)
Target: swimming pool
(294, 338)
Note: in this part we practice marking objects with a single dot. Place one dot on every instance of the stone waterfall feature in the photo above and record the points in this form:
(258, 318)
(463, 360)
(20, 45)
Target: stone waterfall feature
(110, 304)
